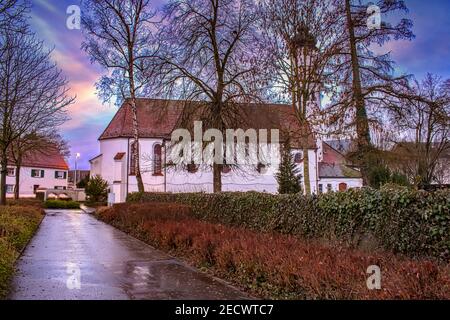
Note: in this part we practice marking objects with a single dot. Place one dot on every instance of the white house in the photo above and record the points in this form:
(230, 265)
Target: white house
(39, 170)
(159, 118)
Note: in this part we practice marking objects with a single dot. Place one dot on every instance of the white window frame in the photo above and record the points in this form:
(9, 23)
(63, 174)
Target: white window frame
(329, 187)
(61, 188)
(57, 172)
(9, 188)
(40, 176)
(13, 170)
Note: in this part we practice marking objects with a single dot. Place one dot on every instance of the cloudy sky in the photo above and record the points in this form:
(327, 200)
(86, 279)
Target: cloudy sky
(429, 52)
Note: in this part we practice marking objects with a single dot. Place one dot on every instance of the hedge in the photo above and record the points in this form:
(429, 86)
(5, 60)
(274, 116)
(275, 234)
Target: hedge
(276, 266)
(17, 226)
(411, 222)
(61, 204)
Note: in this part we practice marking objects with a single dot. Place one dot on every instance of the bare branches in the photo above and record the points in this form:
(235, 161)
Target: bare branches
(422, 114)
(33, 93)
(119, 37)
(209, 54)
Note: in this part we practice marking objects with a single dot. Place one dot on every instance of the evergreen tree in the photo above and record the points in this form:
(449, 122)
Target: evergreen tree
(288, 175)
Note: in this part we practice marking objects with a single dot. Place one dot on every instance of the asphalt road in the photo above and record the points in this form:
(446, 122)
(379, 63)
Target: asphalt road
(75, 256)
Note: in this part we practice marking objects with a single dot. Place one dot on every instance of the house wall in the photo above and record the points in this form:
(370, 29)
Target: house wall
(351, 183)
(27, 182)
(96, 167)
(247, 178)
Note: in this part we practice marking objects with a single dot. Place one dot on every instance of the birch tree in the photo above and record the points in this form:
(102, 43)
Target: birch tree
(118, 37)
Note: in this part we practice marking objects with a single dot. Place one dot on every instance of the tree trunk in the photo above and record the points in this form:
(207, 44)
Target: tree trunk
(136, 153)
(217, 178)
(4, 171)
(362, 122)
(306, 179)
(136, 150)
(17, 186)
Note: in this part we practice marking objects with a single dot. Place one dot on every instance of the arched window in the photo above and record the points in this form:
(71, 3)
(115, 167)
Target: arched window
(157, 159)
(298, 158)
(133, 150)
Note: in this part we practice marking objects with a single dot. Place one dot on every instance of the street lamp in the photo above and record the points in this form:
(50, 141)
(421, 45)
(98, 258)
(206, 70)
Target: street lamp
(77, 156)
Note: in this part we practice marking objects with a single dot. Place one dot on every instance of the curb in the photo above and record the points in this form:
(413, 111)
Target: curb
(87, 210)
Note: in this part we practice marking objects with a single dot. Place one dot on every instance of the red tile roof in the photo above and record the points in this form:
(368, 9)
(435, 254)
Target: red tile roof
(158, 118)
(50, 158)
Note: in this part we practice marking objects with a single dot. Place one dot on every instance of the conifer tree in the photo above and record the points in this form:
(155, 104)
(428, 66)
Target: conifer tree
(288, 175)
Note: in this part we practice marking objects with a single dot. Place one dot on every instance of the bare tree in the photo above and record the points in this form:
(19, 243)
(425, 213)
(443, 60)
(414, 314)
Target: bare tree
(33, 93)
(118, 37)
(367, 79)
(12, 15)
(423, 115)
(207, 56)
(301, 39)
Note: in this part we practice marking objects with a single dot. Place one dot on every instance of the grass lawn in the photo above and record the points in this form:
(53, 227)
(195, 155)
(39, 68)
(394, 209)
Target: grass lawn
(18, 223)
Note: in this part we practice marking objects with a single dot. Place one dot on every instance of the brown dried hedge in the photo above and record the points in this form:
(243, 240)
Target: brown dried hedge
(400, 220)
(273, 265)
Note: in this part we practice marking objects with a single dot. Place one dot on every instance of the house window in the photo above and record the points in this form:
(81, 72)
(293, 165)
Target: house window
(9, 188)
(261, 168)
(226, 169)
(329, 187)
(11, 172)
(342, 187)
(35, 173)
(157, 159)
(320, 188)
(60, 188)
(60, 175)
(192, 168)
(298, 158)
(134, 150)
(35, 188)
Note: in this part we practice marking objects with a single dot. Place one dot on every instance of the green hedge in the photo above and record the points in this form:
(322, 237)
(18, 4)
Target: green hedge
(61, 204)
(405, 221)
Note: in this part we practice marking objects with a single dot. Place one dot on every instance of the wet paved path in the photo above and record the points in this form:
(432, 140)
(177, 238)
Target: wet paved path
(71, 245)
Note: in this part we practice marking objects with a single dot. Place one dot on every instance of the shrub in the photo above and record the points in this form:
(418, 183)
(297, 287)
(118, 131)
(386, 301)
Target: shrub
(97, 189)
(271, 265)
(27, 202)
(17, 226)
(60, 204)
(411, 222)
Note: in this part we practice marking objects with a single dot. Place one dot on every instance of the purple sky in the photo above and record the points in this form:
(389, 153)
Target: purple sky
(429, 52)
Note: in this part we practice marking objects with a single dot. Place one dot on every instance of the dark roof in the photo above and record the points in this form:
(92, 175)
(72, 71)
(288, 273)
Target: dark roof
(49, 158)
(338, 170)
(344, 146)
(96, 157)
(158, 118)
(412, 149)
